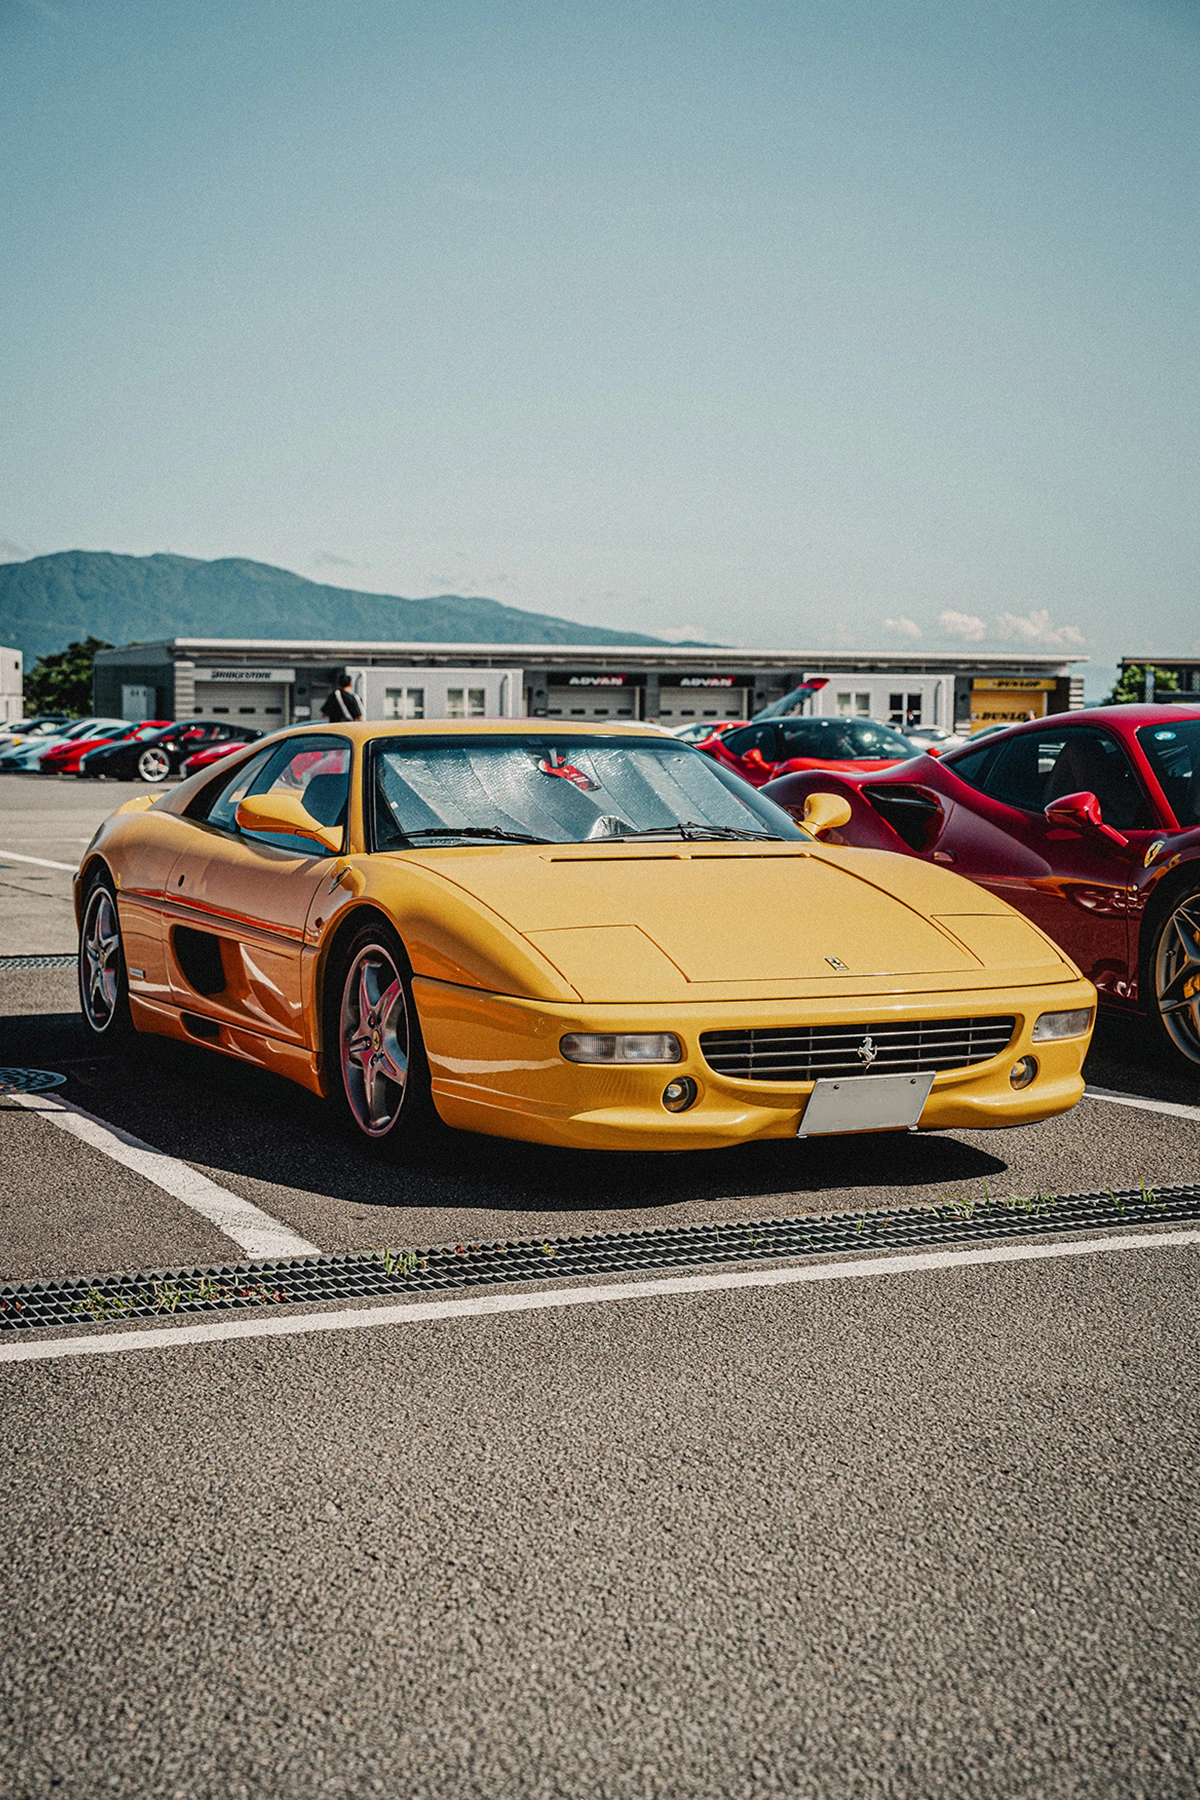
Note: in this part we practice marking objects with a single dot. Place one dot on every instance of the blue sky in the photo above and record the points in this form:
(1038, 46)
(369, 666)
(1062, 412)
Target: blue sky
(807, 325)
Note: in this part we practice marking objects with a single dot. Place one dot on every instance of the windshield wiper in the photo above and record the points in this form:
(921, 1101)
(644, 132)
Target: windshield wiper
(475, 831)
(691, 830)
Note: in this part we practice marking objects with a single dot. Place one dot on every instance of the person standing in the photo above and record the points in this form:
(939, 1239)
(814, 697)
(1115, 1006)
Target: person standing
(343, 703)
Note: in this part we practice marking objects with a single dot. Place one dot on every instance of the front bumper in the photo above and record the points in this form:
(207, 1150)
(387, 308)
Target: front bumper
(496, 1067)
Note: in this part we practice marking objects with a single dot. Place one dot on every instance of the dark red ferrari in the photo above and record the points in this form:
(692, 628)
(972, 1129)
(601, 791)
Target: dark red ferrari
(1087, 822)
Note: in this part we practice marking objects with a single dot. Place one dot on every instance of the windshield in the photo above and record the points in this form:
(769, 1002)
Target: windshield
(845, 739)
(558, 789)
(1173, 752)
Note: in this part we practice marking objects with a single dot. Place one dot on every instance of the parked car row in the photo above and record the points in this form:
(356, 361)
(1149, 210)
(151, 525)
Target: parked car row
(117, 749)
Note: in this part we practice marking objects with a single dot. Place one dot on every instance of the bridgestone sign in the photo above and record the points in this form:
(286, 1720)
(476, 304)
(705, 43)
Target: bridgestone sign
(257, 676)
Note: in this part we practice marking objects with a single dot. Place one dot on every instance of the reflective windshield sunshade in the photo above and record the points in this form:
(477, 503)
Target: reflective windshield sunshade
(559, 788)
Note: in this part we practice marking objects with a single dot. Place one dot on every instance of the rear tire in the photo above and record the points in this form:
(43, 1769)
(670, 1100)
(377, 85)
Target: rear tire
(103, 982)
(1173, 976)
(379, 1074)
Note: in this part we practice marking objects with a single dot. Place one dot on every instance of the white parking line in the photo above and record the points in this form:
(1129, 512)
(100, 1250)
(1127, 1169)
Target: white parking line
(481, 1305)
(41, 861)
(251, 1229)
(1171, 1107)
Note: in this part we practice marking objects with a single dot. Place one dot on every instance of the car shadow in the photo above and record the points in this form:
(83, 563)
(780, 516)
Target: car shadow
(227, 1117)
(1128, 1055)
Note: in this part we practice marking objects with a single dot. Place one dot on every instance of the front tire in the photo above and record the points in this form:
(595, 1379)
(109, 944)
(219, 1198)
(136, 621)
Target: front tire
(381, 1085)
(153, 765)
(1174, 976)
(103, 982)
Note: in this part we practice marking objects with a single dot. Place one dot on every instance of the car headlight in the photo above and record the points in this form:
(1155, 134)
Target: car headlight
(621, 1047)
(1062, 1025)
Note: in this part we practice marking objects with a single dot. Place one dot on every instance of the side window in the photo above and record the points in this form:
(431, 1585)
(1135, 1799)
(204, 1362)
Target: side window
(972, 766)
(218, 802)
(752, 737)
(316, 770)
(1040, 766)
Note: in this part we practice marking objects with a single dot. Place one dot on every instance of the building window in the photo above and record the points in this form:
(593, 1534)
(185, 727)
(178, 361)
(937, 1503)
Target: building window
(896, 709)
(862, 705)
(913, 710)
(466, 703)
(404, 703)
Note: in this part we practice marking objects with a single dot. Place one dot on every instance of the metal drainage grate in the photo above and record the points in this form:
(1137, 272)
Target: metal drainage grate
(28, 1081)
(896, 1047)
(103, 1299)
(60, 960)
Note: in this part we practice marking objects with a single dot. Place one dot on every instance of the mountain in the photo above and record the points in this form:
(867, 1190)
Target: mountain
(51, 601)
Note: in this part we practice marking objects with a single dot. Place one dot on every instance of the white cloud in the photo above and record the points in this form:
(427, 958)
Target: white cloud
(902, 627)
(962, 625)
(328, 559)
(1035, 628)
(10, 552)
(678, 634)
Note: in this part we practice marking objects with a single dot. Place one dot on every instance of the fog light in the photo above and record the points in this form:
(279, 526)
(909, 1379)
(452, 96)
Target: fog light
(1022, 1073)
(681, 1093)
(1062, 1025)
(621, 1047)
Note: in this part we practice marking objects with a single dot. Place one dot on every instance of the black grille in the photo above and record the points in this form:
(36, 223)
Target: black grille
(901, 1047)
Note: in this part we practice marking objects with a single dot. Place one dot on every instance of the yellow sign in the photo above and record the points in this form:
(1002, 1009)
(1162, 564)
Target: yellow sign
(1024, 684)
(996, 705)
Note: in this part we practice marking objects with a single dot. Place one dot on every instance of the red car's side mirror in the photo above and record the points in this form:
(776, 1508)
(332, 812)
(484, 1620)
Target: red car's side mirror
(1081, 812)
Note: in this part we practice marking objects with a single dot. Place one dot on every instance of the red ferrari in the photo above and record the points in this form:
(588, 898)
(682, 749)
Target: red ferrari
(1087, 822)
(65, 760)
(204, 759)
(761, 751)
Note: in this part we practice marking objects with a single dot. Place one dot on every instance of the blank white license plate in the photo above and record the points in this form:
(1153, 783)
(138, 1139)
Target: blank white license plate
(865, 1103)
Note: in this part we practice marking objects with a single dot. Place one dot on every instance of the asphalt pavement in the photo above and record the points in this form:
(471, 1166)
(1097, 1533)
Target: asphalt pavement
(928, 1532)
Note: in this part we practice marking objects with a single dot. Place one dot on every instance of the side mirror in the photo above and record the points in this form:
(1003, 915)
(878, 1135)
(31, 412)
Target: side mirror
(825, 812)
(1081, 813)
(285, 813)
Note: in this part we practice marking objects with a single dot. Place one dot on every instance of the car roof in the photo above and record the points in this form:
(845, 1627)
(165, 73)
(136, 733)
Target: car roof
(363, 729)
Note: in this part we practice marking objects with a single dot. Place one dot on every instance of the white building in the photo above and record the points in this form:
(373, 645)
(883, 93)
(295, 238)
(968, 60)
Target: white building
(12, 684)
(265, 683)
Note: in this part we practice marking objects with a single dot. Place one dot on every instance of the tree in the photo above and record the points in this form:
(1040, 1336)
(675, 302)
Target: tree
(1131, 684)
(62, 682)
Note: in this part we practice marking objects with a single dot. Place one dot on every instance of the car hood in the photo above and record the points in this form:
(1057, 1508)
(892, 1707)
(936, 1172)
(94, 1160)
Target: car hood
(701, 920)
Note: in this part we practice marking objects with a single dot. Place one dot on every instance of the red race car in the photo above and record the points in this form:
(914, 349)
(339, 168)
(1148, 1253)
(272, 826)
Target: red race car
(1087, 822)
(767, 748)
(212, 753)
(65, 760)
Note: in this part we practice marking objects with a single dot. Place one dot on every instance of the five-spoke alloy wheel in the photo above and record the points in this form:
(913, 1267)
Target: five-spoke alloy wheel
(103, 989)
(154, 765)
(381, 1063)
(1175, 968)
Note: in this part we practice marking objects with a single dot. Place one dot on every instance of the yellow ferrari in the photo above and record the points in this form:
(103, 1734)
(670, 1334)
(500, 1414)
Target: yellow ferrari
(580, 935)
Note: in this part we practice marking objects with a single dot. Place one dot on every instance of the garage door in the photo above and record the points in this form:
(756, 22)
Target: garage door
(592, 703)
(679, 705)
(262, 707)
